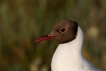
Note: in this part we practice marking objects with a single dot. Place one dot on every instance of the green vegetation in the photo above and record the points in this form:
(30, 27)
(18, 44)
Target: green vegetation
(22, 21)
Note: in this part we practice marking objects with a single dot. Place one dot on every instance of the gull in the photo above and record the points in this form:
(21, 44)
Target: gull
(68, 55)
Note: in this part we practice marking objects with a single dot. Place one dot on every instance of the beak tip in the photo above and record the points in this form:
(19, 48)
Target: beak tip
(36, 41)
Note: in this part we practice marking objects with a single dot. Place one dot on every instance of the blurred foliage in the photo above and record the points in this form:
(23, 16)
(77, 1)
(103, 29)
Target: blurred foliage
(22, 21)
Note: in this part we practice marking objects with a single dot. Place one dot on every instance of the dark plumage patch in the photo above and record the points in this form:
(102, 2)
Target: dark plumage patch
(65, 31)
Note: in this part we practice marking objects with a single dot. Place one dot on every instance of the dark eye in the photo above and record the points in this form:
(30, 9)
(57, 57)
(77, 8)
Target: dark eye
(62, 30)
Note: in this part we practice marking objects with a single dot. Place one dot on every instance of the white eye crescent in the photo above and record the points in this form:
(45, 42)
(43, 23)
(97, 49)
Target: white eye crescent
(62, 30)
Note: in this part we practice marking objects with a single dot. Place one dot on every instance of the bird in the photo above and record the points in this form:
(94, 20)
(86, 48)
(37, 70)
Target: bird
(68, 54)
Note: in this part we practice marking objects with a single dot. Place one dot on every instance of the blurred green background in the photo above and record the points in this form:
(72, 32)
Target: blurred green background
(22, 21)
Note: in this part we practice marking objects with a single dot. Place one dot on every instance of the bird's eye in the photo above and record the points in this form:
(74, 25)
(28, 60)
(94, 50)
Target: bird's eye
(62, 30)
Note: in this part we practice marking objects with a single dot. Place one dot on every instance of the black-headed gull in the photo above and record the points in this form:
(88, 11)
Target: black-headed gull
(68, 55)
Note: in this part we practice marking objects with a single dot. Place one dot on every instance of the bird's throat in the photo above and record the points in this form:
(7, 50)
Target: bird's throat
(67, 55)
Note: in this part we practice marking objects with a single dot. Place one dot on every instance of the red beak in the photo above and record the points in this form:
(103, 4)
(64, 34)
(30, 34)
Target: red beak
(42, 38)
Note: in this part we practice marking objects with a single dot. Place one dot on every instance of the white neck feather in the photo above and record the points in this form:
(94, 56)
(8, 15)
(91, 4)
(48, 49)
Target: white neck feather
(68, 55)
